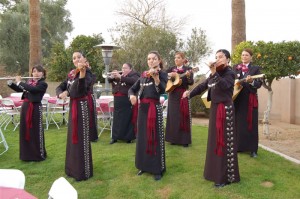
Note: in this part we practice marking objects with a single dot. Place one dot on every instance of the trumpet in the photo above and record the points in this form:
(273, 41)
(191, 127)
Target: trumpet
(11, 78)
(105, 74)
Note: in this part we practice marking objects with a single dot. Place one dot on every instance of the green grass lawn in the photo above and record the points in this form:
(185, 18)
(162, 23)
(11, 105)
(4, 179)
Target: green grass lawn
(268, 176)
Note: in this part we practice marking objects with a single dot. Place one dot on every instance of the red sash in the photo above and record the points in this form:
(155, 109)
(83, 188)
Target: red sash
(252, 103)
(119, 94)
(74, 119)
(220, 118)
(184, 112)
(28, 119)
(151, 127)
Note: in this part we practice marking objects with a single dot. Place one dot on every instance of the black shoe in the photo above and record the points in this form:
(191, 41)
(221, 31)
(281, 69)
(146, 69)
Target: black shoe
(185, 145)
(253, 154)
(129, 141)
(173, 144)
(157, 177)
(113, 141)
(220, 185)
(96, 140)
(140, 172)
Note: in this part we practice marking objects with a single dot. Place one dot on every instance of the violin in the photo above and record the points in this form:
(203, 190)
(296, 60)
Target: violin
(77, 70)
(219, 66)
(153, 72)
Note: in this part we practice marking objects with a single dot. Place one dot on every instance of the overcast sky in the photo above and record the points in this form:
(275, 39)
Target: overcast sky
(267, 20)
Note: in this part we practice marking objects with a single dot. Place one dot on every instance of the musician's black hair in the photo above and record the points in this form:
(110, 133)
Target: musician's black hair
(248, 50)
(226, 53)
(81, 52)
(39, 68)
(161, 65)
(128, 64)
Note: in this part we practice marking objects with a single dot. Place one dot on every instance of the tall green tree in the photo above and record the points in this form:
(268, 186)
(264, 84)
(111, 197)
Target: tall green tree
(60, 62)
(137, 44)
(8, 5)
(56, 23)
(150, 13)
(146, 27)
(14, 32)
(197, 46)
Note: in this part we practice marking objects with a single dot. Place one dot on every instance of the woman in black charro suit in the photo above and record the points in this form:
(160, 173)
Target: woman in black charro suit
(246, 104)
(178, 126)
(79, 163)
(221, 164)
(150, 144)
(32, 140)
(123, 124)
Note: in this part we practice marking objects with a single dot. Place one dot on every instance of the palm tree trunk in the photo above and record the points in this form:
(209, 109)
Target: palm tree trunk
(35, 44)
(238, 23)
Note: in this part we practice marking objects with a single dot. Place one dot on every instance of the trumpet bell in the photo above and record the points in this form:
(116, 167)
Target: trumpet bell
(104, 74)
(108, 74)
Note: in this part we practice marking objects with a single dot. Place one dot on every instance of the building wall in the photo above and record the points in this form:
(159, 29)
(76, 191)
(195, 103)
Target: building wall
(285, 106)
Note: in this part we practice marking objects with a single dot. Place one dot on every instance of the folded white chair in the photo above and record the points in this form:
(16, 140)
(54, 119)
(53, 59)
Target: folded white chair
(62, 189)
(60, 107)
(12, 113)
(46, 95)
(3, 142)
(12, 178)
(104, 118)
(19, 94)
(165, 111)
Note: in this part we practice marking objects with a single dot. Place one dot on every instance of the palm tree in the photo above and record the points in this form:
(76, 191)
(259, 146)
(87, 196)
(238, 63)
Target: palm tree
(35, 44)
(238, 23)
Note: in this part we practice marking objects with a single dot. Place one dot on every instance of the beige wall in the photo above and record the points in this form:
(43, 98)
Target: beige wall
(51, 88)
(285, 106)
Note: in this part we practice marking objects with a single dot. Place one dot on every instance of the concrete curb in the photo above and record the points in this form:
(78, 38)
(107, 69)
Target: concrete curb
(281, 154)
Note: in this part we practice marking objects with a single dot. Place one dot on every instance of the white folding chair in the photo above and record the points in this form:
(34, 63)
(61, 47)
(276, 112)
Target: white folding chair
(12, 113)
(16, 94)
(45, 111)
(111, 112)
(58, 110)
(106, 97)
(103, 117)
(62, 189)
(46, 95)
(3, 141)
(2, 113)
(165, 110)
(12, 178)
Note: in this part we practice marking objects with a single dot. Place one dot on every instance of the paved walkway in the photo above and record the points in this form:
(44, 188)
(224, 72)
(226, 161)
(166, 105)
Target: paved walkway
(284, 138)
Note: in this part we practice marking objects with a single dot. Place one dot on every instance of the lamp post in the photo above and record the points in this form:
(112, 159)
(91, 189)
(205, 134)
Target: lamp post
(107, 52)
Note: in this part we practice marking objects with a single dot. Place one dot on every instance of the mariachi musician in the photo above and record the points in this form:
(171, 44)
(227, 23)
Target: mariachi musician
(123, 126)
(150, 144)
(178, 127)
(32, 140)
(246, 104)
(221, 164)
(92, 105)
(79, 162)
